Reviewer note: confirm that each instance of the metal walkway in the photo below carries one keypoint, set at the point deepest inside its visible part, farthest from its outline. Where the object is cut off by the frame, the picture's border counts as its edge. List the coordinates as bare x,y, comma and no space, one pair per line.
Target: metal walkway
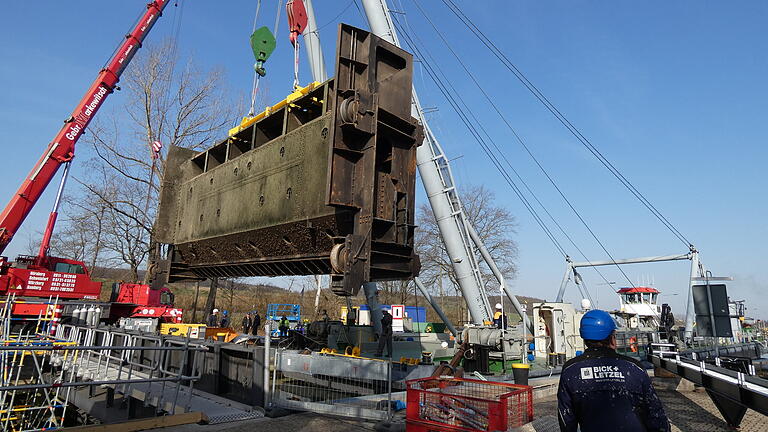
732,392
155,370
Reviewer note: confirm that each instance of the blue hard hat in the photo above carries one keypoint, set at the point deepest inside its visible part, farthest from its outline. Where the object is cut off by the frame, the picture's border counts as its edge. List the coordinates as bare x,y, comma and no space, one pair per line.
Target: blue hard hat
596,325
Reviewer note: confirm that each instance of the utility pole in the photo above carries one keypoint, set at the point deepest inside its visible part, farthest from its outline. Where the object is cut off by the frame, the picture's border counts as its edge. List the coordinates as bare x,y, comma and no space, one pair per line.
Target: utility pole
317,295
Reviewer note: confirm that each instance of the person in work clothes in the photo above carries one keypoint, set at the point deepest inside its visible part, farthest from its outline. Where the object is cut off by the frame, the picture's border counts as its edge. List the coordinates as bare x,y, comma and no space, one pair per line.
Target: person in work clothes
225,319
213,318
602,390
386,335
499,319
283,326
247,323
256,323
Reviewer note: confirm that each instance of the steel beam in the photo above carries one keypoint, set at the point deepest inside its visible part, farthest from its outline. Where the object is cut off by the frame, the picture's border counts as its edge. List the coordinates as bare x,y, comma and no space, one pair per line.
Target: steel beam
572,265
731,391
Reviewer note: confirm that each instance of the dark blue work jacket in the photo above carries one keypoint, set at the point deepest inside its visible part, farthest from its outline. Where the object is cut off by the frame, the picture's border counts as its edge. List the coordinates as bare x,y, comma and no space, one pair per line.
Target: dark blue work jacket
602,390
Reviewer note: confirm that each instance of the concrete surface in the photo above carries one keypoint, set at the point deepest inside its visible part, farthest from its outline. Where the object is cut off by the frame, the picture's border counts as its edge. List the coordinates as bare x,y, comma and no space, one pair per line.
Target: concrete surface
687,411
304,422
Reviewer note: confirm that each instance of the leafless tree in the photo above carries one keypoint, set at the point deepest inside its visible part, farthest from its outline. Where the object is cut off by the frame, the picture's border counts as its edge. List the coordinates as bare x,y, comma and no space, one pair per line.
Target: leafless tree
210,302
163,100
396,292
494,224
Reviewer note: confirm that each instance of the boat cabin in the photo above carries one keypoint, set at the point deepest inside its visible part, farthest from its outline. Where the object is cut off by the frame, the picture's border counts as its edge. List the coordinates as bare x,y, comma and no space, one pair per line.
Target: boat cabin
641,301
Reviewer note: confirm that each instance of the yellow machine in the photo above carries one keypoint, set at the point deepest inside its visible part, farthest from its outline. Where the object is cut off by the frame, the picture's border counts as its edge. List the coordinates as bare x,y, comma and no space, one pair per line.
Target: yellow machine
194,331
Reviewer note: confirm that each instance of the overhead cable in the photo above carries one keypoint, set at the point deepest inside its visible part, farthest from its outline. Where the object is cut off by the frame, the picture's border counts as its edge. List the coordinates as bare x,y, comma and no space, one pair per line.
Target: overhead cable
520,140
563,120
448,92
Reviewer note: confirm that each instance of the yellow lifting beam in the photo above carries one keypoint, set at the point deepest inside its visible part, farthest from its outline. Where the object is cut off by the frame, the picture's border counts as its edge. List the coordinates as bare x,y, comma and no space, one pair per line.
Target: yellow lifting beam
299,92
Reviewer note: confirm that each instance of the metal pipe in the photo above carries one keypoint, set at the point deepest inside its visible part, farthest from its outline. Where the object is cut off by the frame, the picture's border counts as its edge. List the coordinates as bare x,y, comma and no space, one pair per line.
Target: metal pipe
265,382
91,347
312,45
496,272
571,265
91,383
678,257
438,183
525,340
689,312
436,307
372,299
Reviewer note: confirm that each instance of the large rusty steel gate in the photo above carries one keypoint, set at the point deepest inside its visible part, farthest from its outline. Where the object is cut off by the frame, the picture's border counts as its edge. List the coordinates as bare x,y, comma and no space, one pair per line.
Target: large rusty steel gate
322,184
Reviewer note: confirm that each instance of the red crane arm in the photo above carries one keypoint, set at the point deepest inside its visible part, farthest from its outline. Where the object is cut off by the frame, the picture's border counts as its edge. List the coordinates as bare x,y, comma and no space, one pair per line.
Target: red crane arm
62,148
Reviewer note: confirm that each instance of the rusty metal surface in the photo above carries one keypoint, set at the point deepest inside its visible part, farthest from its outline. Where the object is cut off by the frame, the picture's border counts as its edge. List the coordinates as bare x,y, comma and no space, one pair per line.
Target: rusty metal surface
324,185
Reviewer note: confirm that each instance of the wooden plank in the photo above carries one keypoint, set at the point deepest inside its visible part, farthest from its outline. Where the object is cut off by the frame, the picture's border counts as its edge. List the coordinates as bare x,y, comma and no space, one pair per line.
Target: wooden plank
148,423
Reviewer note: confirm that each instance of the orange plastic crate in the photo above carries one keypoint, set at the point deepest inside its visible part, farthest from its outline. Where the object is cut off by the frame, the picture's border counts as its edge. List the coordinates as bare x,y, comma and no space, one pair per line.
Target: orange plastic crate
459,404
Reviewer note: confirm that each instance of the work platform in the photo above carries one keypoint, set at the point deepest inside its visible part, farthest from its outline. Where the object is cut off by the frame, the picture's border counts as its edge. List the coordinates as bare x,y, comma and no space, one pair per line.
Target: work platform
154,371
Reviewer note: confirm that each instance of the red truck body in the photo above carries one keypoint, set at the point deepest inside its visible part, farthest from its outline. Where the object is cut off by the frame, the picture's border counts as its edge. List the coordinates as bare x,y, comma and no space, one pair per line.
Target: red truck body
59,277
141,301
32,280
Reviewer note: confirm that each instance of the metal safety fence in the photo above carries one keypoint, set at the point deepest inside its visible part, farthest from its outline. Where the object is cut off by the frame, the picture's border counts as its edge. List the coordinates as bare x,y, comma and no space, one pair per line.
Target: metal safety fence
41,374
329,383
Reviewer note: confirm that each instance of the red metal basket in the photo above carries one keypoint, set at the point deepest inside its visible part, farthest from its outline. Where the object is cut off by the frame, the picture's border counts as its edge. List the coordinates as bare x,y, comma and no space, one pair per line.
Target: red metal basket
458,404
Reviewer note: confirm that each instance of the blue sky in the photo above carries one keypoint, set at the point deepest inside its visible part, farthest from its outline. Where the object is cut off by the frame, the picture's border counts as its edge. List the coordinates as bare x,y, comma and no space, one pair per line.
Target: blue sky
673,93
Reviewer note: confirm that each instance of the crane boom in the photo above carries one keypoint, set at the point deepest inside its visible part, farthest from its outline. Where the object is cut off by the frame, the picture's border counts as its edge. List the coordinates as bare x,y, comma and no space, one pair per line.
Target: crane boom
62,149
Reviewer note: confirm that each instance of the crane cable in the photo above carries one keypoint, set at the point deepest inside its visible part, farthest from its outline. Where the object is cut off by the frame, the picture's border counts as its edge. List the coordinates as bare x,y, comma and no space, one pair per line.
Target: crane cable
154,155
297,23
520,140
446,90
563,120
256,76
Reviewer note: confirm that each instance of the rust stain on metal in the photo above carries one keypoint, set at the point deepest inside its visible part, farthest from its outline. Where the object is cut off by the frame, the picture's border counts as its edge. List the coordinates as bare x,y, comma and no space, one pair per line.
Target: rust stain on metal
332,171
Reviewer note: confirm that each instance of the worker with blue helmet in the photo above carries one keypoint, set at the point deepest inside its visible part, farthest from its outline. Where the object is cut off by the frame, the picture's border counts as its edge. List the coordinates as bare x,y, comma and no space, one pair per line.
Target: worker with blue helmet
601,390
224,319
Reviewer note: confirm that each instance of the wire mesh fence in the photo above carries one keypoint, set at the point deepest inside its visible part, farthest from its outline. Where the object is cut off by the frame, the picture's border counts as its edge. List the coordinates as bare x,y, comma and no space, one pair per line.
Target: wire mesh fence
347,386
467,405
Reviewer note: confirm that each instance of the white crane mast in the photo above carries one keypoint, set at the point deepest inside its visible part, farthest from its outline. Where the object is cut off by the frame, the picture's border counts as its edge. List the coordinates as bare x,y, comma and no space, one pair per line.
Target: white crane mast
456,232
437,179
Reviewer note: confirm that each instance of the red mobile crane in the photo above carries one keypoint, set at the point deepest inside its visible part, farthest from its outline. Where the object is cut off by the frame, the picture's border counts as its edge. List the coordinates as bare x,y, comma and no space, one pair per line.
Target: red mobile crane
43,275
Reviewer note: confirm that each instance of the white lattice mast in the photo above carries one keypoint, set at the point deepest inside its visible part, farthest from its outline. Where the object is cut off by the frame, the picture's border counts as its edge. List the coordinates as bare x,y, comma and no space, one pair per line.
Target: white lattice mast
438,182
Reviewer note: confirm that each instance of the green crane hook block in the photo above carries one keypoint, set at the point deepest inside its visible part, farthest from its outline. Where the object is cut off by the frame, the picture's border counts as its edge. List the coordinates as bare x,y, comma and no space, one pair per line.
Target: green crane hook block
263,44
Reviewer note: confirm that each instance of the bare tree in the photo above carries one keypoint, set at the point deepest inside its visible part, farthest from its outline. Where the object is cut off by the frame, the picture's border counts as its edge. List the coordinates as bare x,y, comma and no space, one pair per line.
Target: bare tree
494,224
210,302
396,292
175,104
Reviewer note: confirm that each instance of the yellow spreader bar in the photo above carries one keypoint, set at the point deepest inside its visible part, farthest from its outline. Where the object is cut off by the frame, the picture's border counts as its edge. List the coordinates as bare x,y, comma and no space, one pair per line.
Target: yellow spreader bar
299,92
